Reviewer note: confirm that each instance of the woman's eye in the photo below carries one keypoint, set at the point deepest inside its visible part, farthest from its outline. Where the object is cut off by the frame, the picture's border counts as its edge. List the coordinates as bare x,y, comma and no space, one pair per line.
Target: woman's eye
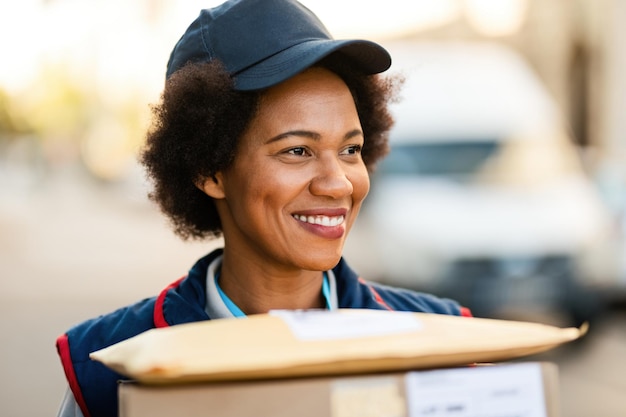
352,150
298,151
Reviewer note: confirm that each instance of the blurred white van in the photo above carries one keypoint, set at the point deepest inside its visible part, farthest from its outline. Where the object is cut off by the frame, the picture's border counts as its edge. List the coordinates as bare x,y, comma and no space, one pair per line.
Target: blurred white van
483,197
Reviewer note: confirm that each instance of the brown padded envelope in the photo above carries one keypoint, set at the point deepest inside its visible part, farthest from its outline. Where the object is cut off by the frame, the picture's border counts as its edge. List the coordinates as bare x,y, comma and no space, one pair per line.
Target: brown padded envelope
263,346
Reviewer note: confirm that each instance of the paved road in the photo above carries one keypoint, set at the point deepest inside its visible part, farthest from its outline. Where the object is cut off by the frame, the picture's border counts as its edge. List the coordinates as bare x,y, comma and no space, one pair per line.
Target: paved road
69,251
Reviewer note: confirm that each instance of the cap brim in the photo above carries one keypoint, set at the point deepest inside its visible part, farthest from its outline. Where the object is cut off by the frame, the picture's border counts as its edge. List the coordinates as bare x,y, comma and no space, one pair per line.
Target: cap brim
369,57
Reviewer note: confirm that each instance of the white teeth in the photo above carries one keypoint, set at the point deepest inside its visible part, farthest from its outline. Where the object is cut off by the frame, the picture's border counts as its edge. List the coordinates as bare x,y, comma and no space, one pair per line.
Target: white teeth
321,220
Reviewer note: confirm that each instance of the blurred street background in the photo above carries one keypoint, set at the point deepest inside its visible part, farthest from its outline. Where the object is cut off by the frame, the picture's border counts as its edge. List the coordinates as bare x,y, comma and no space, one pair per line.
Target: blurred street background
505,187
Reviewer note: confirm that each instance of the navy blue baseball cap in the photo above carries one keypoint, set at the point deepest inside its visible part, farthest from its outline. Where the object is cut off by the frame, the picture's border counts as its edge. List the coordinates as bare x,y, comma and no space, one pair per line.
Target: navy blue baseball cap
264,42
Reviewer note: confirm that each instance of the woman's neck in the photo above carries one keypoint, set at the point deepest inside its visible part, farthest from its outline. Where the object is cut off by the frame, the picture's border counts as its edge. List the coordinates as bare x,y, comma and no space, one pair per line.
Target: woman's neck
257,290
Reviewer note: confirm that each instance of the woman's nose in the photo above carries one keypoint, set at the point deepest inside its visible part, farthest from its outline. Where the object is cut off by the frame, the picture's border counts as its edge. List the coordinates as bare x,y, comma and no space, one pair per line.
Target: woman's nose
331,179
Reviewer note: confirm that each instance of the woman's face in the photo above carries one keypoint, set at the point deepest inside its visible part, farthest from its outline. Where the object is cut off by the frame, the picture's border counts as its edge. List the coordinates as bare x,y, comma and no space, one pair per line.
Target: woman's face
298,180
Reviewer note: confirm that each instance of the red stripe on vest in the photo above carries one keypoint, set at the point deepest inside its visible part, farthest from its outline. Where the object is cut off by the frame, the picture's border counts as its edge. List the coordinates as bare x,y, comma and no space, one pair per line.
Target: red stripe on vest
159,317
376,295
466,312
63,347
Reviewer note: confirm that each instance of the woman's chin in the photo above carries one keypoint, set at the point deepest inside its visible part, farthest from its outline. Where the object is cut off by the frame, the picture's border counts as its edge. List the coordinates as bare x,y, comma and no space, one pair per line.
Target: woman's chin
322,263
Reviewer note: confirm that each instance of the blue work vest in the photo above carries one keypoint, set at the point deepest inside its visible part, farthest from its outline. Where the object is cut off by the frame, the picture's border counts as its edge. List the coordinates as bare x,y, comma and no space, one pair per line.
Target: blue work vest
95,386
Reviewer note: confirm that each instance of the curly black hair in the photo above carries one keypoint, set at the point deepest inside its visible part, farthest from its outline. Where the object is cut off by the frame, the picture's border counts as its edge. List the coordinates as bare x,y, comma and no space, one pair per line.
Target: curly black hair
197,124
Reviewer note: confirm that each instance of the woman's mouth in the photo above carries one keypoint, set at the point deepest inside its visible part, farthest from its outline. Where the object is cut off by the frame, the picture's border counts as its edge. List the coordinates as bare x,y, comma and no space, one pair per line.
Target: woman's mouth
327,221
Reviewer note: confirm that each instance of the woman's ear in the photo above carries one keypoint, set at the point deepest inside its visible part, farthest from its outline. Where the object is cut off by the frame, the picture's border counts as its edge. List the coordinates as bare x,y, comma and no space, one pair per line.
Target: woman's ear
212,186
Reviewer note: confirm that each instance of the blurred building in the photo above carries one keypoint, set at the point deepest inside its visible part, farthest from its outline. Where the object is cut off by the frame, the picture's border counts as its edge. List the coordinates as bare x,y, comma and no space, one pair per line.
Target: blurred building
574,45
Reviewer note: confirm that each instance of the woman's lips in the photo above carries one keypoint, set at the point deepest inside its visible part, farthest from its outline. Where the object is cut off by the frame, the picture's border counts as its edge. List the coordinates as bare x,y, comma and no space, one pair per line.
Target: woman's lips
326,226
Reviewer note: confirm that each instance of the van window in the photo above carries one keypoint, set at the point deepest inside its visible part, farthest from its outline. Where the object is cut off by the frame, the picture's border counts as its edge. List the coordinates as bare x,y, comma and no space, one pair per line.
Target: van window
457,160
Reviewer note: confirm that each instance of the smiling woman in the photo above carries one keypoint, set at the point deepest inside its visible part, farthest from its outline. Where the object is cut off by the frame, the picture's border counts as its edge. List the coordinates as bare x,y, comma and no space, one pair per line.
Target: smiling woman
264,138
297,180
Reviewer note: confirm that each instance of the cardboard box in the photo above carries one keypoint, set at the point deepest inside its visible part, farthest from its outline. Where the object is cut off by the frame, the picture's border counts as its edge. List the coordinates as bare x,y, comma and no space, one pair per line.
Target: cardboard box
528,389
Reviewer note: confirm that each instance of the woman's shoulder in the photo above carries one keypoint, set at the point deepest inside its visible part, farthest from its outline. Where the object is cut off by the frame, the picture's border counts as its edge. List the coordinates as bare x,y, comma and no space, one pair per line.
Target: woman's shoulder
107,329
356,292
402,299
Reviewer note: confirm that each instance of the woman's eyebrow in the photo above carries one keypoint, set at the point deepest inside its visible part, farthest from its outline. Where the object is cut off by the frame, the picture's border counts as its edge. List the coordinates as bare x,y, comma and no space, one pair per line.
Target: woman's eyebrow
302,133
311,135
353,133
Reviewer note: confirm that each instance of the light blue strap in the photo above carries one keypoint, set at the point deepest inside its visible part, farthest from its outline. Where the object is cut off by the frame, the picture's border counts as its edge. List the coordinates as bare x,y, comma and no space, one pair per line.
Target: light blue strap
326,292
232,307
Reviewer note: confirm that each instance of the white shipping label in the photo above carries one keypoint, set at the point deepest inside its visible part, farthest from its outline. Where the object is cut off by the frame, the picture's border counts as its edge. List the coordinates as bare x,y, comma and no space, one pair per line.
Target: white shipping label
328,325
508,390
